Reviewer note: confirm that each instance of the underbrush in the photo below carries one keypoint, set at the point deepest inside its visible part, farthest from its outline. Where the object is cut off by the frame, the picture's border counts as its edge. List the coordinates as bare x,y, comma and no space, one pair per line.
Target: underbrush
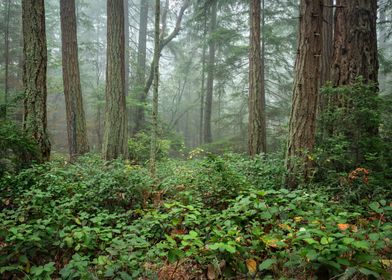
212,217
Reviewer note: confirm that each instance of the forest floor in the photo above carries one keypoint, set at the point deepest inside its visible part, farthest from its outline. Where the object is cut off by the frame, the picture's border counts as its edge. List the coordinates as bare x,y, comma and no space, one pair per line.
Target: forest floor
210,217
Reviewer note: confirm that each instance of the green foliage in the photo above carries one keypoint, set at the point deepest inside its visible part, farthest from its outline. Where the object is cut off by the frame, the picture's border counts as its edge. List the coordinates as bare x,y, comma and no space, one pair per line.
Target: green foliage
353,133
225,215
140,145
16,148
350,125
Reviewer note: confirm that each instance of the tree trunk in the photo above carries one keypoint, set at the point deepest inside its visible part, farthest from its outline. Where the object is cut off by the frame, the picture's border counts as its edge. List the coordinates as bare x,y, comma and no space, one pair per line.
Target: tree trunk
34,75
202,90
327,50
326,61
139,118
76,121
355,54
355,42
257,141
154,129
115,127
6,57
306,84
126,35
210,75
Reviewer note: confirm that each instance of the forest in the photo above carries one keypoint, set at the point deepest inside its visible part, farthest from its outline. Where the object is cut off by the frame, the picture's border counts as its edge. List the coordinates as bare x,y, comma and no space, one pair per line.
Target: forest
196,139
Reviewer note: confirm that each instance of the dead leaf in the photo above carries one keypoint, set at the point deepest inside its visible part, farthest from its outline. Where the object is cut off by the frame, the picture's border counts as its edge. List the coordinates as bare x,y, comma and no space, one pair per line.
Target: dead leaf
211,272
251,264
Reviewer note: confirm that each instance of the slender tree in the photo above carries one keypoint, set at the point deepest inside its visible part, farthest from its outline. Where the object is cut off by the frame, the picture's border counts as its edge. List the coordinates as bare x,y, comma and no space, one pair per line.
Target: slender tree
76,122
203,79
6,57
154,129
34,75
257,121
115,127
210,74
140,98
306,84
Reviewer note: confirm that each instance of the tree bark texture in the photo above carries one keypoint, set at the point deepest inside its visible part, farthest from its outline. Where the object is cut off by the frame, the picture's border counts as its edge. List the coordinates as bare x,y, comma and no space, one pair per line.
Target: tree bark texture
327,51
140,96
115,126
355,54
305,94
210,74
154,129
126,55
355,42
326,60
76,121
34,75
257,140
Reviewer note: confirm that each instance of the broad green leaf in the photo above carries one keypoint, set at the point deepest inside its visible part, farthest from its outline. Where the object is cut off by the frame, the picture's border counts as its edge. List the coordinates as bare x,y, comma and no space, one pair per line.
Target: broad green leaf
267,264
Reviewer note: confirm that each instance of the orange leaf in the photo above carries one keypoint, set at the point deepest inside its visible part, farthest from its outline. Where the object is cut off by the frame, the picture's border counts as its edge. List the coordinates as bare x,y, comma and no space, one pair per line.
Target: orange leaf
343,226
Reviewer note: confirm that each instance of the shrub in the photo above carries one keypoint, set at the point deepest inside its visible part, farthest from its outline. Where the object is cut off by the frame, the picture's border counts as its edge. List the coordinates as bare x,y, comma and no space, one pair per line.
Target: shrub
16,148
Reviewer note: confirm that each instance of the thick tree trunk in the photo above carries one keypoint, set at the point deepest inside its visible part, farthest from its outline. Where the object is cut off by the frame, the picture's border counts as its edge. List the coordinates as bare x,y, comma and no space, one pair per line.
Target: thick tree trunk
138,110
326,61
327,50
154,129
355,42
34,75
115,127
306,86
257,141
210,75
355,54
76,121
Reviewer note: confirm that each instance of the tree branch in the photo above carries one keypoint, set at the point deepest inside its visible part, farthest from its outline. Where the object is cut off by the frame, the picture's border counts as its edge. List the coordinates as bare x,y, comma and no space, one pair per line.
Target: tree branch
166,41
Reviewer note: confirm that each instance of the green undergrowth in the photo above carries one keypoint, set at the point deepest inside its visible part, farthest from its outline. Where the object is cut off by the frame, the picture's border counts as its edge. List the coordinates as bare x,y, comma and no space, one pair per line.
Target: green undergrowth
211,217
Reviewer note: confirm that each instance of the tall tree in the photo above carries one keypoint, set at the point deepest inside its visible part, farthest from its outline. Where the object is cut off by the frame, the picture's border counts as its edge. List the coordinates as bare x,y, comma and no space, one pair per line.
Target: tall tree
257,121
6,57
326,60
210,73
154,129
126,35
327,51
355,55
140,97
115,127
76,121
203,79
34,75
305,94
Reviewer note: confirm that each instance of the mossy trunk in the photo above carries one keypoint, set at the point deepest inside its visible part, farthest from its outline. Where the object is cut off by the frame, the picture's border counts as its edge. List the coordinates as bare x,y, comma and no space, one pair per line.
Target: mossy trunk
76,121
115,127
34,75
154,128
